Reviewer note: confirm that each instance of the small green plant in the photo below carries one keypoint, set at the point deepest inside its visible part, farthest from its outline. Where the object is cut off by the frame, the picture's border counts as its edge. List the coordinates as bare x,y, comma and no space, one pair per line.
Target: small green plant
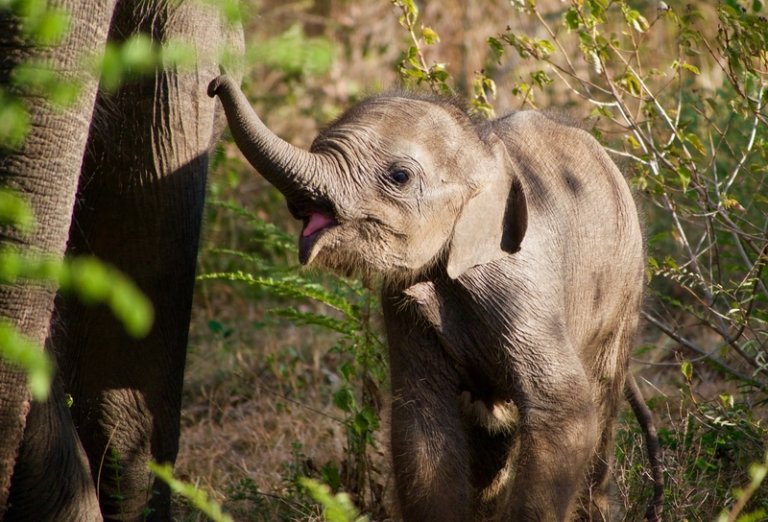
196,496
757,474
114,467
336,508
709,448
415,70
414,66
246,489
342,307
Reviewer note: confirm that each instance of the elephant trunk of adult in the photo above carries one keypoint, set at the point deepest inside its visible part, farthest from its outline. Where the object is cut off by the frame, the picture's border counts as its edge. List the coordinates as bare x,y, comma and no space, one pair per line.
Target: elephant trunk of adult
292,170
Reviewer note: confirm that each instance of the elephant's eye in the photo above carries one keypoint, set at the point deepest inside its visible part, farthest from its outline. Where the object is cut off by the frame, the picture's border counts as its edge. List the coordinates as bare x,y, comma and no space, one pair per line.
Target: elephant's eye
399,176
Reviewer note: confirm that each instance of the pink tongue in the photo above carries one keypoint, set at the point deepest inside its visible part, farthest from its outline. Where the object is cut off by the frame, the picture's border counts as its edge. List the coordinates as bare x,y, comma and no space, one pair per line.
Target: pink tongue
316,222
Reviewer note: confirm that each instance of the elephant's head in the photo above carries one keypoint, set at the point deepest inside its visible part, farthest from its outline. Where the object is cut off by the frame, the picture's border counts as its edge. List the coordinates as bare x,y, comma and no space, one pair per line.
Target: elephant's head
396,186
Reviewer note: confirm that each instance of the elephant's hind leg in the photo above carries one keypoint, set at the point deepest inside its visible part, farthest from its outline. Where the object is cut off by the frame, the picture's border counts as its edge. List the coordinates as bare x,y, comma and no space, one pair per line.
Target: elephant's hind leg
608,374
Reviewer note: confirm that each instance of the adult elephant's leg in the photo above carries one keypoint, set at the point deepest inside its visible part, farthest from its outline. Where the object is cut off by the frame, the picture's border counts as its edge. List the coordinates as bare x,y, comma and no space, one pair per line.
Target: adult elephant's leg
139,208
43,474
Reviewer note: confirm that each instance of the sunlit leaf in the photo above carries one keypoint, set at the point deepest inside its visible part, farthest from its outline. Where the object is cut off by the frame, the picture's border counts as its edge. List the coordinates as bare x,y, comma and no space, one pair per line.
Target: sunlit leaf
138,54
571,18
336,508
15,210
496,47
686,368
14,121
196,496
28,356
430,36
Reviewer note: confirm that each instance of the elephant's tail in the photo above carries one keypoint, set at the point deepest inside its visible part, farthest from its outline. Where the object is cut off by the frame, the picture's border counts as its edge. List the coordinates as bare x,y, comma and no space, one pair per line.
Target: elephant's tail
645,419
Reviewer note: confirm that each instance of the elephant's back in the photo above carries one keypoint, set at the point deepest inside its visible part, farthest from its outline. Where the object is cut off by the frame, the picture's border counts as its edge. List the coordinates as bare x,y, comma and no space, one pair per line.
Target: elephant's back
582,222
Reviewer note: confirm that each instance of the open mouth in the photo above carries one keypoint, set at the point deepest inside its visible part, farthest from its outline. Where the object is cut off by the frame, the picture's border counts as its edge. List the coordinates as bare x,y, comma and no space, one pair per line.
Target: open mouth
315,224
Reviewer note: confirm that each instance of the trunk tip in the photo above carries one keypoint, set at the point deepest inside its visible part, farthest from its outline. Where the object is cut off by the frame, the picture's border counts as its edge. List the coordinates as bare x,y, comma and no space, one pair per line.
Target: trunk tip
214,86
216,83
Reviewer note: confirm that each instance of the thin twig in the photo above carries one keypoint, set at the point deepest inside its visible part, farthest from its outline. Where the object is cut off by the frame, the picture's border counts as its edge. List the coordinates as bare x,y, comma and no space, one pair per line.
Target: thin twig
690,345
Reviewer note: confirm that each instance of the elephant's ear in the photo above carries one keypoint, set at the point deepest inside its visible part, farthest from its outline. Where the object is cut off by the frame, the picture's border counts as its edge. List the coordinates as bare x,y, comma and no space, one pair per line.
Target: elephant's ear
493,221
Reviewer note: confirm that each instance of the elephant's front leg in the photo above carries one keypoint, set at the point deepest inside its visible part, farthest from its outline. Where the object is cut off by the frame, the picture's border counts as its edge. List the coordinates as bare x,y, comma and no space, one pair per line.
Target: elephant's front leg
430,455
140,208
559,434
429,446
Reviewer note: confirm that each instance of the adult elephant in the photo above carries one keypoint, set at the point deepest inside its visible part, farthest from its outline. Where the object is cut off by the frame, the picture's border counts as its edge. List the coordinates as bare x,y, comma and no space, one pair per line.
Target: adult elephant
121,176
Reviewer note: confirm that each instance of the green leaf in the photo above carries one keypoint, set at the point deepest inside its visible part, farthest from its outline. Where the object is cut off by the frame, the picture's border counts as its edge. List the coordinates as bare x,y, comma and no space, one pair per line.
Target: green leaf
758,472
497,48
632,142
630,83
684,176
695,142
130,306
14,121
197,497
571,18
686,368
544,48
429,35
690,67
635,20
110,68
95,282
323,321
90,279
332,476
541,79
45,25
39,79
219,329
29,357
344,399
138,54
410,7
15,211
336,508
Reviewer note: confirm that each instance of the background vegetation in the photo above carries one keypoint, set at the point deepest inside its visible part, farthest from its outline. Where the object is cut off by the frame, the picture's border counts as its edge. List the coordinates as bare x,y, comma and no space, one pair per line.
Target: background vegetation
286,375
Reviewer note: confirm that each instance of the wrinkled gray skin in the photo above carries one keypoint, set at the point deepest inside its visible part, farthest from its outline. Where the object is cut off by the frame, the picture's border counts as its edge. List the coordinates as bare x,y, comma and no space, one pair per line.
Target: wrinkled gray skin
512,266
120,176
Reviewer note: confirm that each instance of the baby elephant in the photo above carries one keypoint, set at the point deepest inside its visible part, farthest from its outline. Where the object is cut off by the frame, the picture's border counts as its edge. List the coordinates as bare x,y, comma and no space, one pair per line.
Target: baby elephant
511,261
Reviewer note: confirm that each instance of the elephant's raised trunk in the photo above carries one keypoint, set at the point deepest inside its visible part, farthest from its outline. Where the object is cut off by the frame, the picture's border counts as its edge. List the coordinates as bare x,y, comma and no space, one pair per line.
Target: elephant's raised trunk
290,169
